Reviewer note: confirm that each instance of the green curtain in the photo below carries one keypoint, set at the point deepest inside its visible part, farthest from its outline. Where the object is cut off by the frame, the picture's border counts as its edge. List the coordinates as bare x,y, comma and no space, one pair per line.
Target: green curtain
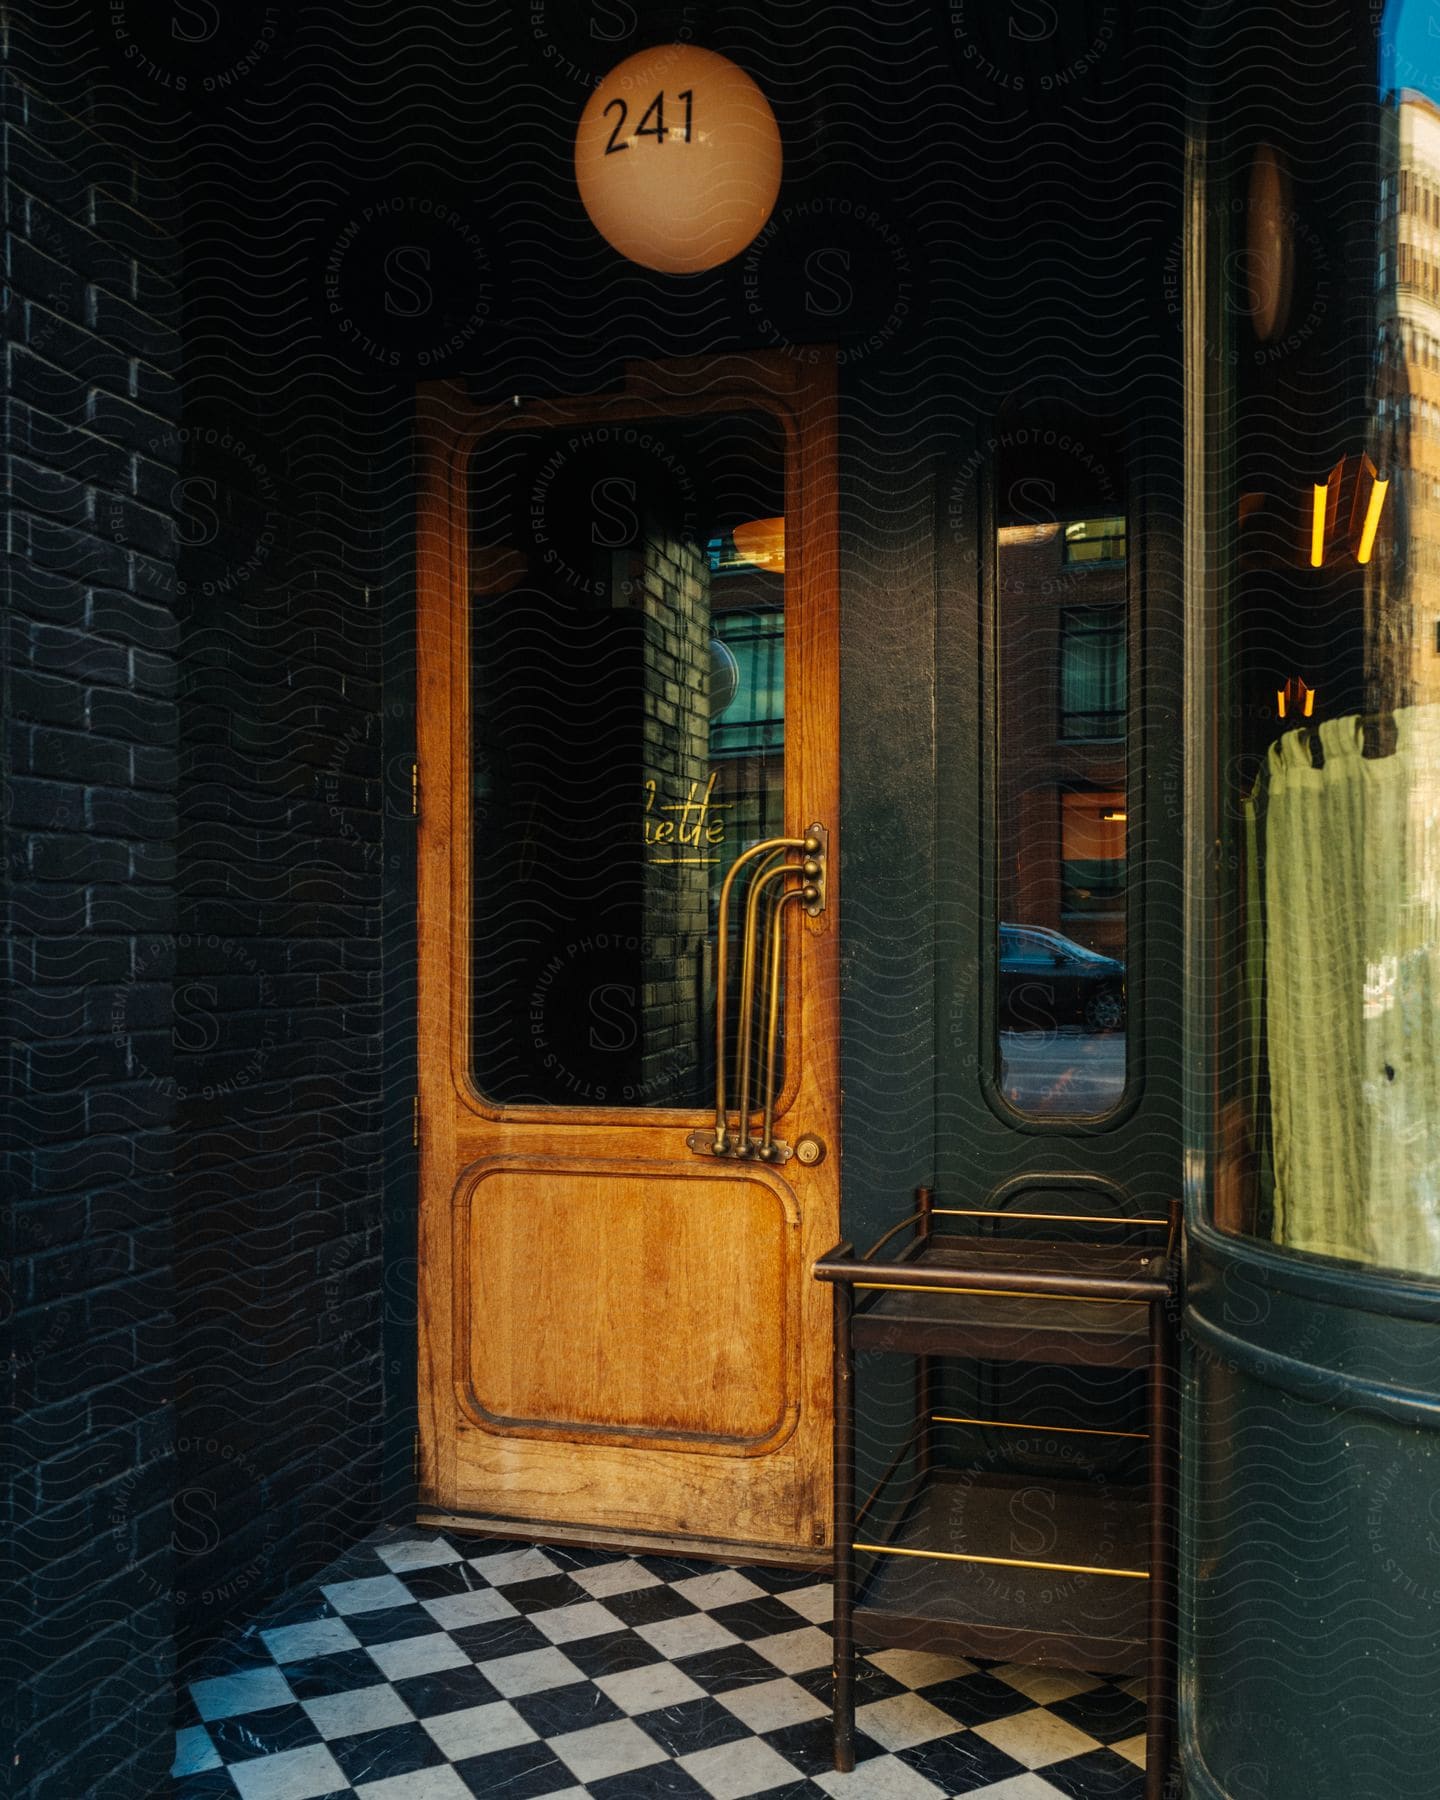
1351,908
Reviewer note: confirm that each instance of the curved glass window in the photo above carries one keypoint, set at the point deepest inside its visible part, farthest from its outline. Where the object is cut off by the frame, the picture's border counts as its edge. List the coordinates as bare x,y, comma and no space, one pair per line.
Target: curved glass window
1322,367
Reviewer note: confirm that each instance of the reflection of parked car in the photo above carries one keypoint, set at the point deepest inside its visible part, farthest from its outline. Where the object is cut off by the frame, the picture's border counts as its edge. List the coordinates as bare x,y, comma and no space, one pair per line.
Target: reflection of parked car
1048,980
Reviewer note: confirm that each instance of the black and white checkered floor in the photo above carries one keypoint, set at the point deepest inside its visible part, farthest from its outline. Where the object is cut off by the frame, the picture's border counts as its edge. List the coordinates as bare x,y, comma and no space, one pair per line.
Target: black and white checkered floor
427,1667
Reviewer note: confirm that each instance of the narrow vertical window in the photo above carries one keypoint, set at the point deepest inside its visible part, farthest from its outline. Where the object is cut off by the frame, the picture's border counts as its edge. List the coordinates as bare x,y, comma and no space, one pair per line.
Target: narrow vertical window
1062,816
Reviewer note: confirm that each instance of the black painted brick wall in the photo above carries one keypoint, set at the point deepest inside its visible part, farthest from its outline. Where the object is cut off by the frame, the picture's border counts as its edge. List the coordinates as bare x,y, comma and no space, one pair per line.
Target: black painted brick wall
91,366
278,1167
277,1010
193,831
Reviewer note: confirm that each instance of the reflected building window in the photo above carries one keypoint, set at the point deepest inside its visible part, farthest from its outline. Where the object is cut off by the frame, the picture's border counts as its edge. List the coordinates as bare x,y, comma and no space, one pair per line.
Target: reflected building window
1092,852
1095,541
1092,672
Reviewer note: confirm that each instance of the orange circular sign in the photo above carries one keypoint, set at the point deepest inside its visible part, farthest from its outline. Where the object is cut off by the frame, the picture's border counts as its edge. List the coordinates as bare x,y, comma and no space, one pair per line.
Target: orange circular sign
678,159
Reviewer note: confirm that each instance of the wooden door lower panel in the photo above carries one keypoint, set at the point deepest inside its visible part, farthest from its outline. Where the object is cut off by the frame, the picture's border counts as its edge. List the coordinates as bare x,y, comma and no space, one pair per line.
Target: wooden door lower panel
636,1347
649,1305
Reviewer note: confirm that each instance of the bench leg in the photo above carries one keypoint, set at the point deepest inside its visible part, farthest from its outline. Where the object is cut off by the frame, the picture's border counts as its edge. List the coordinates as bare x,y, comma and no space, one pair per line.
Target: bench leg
843,1626
1160,1674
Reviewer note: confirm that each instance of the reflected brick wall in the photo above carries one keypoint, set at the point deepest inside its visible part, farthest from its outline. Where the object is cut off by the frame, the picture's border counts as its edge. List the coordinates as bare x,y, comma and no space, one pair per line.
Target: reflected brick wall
1042,759
675,597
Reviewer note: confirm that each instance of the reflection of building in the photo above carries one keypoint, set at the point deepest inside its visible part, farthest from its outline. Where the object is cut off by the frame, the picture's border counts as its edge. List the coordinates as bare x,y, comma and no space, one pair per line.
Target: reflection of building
747,712
1404,597
1061,751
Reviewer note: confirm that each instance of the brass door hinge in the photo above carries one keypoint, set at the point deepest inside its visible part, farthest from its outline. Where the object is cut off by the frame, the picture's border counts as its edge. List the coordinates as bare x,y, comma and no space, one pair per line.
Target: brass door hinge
415,1120
415,789
415,1459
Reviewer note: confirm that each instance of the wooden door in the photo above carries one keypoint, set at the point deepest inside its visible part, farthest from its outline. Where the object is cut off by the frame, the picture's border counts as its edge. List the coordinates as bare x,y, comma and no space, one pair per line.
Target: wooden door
619,1336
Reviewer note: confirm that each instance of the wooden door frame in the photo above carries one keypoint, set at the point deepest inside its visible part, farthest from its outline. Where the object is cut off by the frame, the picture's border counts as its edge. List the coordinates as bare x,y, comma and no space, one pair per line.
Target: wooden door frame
801,396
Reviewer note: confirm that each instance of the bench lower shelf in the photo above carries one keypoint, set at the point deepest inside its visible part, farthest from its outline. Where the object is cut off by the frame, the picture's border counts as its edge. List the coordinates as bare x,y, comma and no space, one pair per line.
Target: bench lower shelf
1062,1617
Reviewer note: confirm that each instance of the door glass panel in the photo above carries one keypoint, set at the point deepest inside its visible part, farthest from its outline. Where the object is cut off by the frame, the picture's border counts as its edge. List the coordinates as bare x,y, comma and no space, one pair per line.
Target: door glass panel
1325,483
1062,821
627,633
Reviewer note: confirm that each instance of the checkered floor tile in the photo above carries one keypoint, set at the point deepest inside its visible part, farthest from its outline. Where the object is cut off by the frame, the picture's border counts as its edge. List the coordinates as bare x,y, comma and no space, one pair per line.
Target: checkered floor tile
436,1667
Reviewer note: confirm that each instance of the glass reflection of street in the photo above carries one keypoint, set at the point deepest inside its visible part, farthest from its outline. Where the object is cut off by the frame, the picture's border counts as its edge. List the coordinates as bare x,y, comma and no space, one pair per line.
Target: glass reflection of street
1069,1072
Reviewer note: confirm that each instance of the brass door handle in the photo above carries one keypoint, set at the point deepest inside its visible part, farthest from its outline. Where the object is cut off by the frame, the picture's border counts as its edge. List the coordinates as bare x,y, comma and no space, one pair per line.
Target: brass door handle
770,864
